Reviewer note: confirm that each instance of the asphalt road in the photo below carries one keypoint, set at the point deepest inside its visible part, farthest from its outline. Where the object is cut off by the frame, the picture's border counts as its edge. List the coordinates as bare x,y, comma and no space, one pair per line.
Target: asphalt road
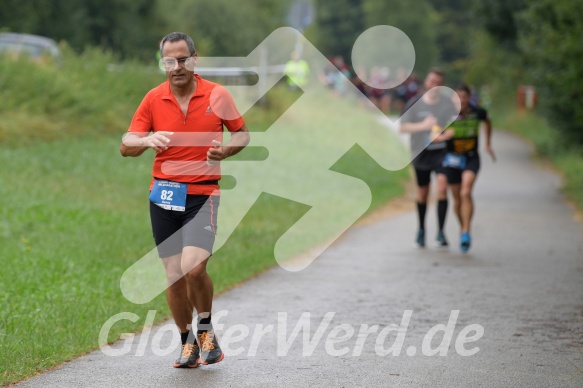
522,283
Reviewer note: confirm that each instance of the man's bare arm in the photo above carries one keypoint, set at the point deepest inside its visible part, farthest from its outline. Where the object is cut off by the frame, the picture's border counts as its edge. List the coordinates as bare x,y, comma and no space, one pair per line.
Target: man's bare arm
422,126
238,141
135,144
488,130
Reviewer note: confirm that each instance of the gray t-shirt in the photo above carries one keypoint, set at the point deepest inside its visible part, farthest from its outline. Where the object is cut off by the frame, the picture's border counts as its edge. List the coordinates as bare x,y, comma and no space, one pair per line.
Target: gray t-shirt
416,110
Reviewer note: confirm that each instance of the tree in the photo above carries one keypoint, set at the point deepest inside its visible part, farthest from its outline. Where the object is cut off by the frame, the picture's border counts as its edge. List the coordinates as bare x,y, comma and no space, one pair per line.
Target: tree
223,28
337,26
128,27
416,19
456,25
499,18
549,35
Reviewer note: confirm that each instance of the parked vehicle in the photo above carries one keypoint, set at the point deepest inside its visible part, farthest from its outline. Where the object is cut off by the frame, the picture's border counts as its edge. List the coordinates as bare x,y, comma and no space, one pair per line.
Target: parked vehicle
37,48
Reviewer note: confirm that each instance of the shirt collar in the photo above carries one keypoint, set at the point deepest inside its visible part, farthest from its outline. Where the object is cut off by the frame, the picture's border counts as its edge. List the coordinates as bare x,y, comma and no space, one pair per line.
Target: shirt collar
200,89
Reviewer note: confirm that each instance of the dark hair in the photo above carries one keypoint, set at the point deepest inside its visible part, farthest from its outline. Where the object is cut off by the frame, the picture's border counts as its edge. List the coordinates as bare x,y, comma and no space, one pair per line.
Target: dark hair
175,37
463,87
437,71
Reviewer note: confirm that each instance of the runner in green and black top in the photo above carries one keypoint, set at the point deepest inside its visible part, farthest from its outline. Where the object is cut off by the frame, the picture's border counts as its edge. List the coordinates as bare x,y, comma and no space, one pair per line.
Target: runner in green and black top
462,161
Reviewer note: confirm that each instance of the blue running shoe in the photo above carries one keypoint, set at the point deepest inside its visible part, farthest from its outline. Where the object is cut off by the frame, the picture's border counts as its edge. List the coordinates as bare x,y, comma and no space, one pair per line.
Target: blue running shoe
465,242
420,242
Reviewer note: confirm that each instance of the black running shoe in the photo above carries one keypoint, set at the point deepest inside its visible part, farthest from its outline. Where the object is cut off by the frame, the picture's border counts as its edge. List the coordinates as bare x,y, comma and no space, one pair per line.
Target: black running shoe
441,241
420,241
189,356
211,352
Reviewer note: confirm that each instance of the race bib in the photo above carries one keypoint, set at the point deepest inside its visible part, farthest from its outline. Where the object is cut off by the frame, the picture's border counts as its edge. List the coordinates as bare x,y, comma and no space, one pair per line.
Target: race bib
169,195
454,161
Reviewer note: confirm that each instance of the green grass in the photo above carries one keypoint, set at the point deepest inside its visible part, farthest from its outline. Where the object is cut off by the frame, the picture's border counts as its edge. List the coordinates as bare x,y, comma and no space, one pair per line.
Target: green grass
65,236
86,94
74,214
549,145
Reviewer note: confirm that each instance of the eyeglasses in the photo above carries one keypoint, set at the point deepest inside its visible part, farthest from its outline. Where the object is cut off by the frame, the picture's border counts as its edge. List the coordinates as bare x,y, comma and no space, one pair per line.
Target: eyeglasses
169,63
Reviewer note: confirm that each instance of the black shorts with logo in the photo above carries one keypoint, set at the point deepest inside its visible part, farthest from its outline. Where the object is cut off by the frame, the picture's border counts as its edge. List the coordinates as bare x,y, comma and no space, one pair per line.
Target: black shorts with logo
196,226
454,175
426,162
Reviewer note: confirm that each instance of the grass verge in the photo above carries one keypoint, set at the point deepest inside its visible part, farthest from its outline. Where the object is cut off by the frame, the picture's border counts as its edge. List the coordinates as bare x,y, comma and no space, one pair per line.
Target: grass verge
551,146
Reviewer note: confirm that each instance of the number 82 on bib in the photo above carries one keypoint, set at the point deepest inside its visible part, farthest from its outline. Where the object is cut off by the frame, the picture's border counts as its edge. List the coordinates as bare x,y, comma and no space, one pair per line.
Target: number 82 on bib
169,195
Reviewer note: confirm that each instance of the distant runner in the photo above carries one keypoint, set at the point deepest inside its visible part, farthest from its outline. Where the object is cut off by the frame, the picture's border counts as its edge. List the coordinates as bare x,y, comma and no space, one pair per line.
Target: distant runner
421,114
462,161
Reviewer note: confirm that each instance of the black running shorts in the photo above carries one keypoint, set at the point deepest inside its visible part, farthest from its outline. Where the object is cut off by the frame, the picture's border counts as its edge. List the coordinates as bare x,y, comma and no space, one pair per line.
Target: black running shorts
196,226
454,175
427,161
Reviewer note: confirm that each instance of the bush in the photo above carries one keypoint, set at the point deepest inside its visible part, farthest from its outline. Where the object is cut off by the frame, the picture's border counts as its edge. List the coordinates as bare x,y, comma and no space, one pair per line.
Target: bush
88,93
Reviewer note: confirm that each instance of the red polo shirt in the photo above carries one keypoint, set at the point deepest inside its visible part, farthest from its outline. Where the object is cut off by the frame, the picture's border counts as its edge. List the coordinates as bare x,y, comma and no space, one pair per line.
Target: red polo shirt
210,108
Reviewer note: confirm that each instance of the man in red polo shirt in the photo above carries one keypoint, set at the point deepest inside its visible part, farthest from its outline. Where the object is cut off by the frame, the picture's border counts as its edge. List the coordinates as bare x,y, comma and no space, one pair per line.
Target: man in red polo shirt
182,120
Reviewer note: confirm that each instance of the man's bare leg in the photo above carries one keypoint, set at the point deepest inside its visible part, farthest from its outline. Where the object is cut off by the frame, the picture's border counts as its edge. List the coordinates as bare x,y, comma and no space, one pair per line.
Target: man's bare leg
467,202
457,201
177,293
200,289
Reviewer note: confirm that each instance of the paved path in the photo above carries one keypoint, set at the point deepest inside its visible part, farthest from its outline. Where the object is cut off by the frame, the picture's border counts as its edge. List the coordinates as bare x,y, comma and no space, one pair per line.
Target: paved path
522,282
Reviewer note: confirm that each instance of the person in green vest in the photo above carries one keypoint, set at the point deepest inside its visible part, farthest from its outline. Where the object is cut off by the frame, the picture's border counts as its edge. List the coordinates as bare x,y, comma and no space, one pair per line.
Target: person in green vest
297,71
462,161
